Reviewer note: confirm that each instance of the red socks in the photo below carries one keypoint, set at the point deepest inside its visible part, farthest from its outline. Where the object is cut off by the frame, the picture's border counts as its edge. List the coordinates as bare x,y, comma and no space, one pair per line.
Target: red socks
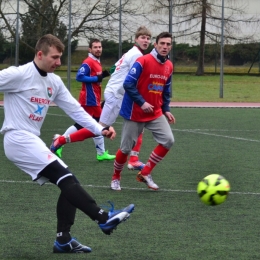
155,157
81,135
78,136
135,151
119,163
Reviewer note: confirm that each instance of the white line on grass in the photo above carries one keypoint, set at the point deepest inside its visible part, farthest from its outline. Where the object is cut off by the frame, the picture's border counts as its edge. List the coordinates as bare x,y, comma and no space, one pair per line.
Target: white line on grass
197,131
217,135
218,130
128,188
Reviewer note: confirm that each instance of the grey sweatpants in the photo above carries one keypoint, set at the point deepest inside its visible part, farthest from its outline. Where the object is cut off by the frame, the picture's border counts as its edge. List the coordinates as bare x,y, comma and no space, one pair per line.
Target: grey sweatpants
159,127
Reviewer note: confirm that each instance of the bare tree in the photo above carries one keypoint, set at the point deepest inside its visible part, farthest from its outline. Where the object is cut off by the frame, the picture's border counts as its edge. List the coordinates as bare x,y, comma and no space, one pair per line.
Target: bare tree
201,19
89,18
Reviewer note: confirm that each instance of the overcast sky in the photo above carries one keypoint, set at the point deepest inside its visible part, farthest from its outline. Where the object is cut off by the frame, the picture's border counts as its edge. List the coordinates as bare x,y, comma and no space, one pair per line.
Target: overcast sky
254,6
252,9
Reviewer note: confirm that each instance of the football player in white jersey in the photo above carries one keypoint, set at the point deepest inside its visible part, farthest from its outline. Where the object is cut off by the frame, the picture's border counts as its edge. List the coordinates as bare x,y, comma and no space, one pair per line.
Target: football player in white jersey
114,93
28,91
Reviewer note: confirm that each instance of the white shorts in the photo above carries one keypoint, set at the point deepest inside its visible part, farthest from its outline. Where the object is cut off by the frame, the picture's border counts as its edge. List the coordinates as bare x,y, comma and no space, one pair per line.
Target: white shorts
111,109
29,153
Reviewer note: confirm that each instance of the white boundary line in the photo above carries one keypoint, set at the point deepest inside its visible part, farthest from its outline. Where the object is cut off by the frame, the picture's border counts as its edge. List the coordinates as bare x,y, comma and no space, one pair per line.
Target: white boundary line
217,135
198,131
128,188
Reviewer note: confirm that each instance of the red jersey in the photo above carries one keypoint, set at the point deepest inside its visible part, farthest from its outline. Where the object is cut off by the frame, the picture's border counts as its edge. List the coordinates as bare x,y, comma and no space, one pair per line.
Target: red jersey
90,94
149,80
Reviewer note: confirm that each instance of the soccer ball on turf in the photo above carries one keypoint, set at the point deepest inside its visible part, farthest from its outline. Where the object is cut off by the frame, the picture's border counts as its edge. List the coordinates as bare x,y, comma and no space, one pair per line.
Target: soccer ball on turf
213,189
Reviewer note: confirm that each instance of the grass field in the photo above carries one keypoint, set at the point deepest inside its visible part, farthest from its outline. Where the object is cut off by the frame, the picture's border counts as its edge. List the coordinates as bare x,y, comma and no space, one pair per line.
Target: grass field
238,86
188,87
168,224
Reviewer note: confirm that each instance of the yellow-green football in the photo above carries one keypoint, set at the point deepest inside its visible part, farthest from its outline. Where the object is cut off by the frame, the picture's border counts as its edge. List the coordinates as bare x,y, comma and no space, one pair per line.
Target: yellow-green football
213,189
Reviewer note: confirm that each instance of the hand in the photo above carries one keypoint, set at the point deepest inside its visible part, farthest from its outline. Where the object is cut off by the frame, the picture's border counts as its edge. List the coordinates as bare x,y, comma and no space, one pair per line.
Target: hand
105,73
170,117
100,77
147,108
109,132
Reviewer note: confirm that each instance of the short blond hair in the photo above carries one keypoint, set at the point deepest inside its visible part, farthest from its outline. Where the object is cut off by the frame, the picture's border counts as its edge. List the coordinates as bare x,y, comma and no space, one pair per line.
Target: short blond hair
142,30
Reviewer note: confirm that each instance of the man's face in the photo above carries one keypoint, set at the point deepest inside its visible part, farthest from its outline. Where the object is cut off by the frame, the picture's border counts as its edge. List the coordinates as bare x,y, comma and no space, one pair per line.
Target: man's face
49,62
163,46
143,41
96,49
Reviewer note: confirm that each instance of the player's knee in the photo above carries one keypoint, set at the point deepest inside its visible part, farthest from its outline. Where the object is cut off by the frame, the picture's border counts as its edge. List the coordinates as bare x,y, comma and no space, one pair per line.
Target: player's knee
67,182
126,150
169,143
55,172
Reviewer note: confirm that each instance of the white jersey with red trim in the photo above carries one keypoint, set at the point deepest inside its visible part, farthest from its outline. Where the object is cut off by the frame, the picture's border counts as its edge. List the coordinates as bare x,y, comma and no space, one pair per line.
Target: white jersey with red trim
122,67
28,95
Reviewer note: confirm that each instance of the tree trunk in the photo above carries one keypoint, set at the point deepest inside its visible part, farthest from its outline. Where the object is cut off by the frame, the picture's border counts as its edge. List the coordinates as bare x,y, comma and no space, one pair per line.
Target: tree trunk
200,69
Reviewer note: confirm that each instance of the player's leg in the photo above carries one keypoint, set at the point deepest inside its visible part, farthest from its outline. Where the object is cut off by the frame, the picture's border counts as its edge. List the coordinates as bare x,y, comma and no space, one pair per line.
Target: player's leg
108,117
75,133
110,110
30,154
163,135
99,141
74,196
80,135
72,129
134,163
59,141
130,132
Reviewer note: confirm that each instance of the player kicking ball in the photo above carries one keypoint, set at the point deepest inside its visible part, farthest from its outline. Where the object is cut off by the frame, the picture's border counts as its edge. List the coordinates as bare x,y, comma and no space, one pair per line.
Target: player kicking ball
28,91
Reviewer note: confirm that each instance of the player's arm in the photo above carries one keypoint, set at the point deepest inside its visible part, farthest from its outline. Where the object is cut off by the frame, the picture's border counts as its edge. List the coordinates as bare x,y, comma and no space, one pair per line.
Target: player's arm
130,84
83,75
131,89
10,79
166,96
73,109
